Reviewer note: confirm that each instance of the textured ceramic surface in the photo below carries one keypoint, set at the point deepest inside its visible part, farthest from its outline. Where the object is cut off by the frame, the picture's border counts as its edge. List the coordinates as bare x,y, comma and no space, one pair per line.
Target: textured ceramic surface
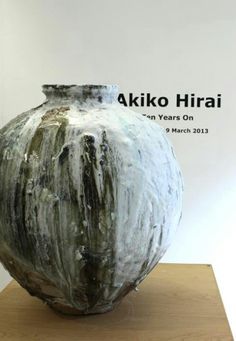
90,196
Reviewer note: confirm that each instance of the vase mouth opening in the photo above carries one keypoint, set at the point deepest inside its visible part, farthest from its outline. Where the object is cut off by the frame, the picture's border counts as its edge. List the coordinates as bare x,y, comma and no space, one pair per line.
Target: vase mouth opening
85,92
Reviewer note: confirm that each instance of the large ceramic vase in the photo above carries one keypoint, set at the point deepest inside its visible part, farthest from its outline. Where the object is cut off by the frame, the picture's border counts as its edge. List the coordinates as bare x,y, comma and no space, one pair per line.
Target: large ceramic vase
90,197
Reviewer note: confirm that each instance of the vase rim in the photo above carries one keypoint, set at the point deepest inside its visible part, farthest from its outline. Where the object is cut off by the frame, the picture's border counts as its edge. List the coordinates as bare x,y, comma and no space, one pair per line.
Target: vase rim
99,92
84,86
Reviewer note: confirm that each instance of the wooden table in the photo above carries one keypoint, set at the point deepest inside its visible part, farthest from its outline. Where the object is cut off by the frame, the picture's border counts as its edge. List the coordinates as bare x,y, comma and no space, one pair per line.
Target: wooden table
175,302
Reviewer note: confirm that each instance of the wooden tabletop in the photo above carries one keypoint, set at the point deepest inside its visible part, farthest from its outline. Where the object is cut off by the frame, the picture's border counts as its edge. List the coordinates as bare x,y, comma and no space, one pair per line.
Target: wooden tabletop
175,302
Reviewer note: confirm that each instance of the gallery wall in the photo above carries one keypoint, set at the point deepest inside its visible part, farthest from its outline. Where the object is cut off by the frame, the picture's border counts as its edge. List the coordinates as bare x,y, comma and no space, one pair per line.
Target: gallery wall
160,47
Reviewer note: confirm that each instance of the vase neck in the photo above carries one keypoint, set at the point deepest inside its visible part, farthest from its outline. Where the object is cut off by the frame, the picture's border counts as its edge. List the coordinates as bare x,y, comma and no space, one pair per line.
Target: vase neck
89,94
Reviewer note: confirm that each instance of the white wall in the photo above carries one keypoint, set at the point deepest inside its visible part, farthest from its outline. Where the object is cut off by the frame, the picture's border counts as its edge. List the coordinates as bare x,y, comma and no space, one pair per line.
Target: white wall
163,47
4,278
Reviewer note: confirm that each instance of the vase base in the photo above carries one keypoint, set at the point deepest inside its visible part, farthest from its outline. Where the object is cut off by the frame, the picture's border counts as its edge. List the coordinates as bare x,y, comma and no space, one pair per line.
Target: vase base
71,311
